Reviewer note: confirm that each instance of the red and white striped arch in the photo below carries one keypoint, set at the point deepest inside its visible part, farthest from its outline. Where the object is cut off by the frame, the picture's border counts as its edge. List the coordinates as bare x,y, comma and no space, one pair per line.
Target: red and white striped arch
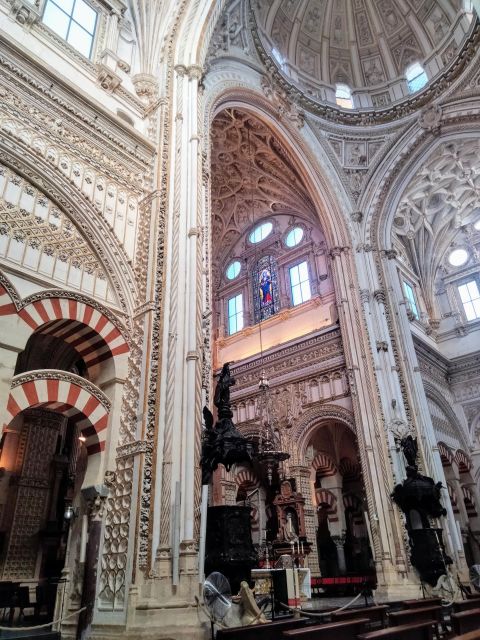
7,306
469,501
453,497
463,461
71,397
86,328
246,478
324,465
325,498
93,335
445,454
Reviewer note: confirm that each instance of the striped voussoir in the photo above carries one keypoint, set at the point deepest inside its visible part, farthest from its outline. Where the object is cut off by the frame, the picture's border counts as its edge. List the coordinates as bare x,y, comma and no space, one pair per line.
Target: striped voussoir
7,306
326,497
67,394
88,330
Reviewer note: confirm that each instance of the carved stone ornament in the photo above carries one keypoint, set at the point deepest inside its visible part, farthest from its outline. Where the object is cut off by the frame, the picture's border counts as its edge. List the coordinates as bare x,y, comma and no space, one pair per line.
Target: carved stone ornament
281,101
107,79
146,87
430,118
24,13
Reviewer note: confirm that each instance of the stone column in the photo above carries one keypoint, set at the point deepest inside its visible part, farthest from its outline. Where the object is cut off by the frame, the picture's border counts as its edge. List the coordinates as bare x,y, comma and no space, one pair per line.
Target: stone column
89,591
389,550
302,477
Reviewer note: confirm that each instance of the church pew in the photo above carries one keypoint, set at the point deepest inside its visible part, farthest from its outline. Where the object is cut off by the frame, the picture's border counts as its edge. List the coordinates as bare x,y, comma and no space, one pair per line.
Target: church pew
377,614
472,635
421,603
464,605
434,615
269,631
416,631
347,630
465,621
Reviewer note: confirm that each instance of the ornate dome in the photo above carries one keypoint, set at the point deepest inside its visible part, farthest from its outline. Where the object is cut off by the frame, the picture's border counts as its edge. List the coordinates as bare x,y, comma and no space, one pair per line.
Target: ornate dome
365,44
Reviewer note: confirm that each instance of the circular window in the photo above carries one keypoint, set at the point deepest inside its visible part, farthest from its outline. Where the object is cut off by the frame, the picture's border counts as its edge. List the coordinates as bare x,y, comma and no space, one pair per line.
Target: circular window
294,237
261,232
477,225
233,270
458,257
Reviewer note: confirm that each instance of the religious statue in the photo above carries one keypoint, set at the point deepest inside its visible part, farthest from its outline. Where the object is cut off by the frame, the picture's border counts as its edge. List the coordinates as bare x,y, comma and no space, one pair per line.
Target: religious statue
410,450
265,288
222,443
222,392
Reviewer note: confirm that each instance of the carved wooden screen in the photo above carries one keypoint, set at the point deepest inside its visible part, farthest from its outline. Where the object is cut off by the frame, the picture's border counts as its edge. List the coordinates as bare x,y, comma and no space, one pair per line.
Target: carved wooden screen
266,300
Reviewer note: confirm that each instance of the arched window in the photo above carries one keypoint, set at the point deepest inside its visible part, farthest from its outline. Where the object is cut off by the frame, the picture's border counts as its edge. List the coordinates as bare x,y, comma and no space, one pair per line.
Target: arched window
343,96
416,77
266,300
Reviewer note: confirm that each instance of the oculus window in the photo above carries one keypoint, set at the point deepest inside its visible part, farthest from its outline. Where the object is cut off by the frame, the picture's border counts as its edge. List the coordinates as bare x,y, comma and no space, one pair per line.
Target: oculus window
410,295
294,237
416,77
74,21
235,314
260,232
233,270
300,283
458,257
470,297
343,96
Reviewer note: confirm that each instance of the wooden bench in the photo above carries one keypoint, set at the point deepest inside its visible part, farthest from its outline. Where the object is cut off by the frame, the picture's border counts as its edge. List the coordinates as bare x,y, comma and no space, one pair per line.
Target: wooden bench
418,631
473,635
464,605
422,603
472,596
269,631
376,614
465,621
434,615
347,630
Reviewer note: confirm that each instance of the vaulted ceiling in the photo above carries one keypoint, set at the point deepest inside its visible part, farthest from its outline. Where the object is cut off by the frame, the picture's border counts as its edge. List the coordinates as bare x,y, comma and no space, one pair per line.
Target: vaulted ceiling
253,176
363,43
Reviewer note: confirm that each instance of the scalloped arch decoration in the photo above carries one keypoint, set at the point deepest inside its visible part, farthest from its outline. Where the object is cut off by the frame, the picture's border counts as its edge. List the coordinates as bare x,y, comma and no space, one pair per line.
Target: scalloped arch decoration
446,454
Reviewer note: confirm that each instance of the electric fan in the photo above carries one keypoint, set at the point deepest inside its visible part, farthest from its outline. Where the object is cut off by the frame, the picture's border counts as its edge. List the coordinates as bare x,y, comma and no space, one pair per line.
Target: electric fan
217,597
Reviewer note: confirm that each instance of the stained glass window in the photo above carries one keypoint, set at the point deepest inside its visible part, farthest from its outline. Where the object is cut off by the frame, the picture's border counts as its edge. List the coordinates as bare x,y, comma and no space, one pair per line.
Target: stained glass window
265,289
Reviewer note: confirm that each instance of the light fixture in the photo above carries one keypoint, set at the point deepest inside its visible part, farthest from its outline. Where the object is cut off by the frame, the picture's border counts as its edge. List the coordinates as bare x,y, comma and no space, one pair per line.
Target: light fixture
70,513
268,451
82,438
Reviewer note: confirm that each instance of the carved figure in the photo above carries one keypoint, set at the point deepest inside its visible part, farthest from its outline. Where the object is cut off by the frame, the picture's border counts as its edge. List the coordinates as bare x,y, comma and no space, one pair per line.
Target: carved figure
410,449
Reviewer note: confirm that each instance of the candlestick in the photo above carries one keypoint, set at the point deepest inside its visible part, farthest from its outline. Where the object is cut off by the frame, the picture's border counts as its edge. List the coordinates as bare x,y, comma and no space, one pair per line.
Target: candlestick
301,547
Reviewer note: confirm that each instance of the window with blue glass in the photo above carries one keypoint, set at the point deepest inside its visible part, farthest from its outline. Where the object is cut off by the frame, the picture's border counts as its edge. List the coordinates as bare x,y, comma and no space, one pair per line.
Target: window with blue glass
300,283
235,314
410,295
74,21
416,77
265,289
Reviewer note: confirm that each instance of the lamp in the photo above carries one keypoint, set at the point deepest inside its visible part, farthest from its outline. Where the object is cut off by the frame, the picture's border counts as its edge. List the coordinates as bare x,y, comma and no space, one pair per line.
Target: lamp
70,513
268,452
